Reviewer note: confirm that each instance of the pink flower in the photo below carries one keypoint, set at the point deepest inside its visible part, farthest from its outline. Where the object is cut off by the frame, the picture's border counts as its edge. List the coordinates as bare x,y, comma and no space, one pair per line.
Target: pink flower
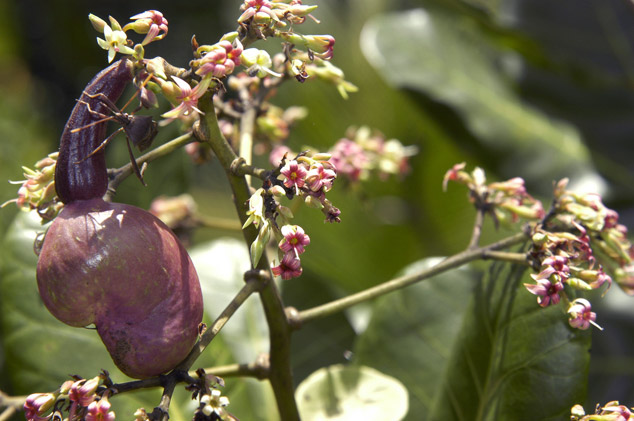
321,45
37,404
547,293
294,239
83,391
290,267
452,174
554,265
221,60
619,412
150,22
294,175
187,98
581,314
100,411
320,178
260,7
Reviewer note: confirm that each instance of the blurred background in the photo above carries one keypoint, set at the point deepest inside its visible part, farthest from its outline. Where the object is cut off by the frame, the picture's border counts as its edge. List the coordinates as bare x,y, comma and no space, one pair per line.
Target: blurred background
531,88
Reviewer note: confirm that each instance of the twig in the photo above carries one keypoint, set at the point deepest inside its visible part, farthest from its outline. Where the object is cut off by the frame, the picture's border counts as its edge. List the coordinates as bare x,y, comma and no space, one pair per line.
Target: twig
217,223
258,369
120,174
253,284
247,127
161,412
477,229
8,413
404,281
12,404
517,258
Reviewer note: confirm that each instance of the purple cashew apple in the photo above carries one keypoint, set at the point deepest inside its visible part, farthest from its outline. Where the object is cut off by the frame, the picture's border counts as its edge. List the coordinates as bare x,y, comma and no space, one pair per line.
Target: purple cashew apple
115,265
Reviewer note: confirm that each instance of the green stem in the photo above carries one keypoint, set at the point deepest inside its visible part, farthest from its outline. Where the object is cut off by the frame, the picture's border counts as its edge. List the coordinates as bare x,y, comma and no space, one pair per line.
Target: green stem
250,287
517,258
477,229
8,413
258,369
280,375
247,126
404,281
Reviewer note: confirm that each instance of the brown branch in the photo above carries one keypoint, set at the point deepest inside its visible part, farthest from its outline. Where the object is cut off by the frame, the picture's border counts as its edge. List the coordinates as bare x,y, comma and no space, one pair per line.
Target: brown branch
404,281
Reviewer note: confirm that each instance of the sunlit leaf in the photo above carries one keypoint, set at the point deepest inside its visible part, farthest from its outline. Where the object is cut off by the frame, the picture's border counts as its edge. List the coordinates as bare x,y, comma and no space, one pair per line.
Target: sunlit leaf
512,359
341,392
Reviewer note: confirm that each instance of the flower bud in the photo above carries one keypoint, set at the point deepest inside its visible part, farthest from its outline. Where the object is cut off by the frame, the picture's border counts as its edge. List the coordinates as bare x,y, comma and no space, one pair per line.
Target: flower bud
97,23
313,202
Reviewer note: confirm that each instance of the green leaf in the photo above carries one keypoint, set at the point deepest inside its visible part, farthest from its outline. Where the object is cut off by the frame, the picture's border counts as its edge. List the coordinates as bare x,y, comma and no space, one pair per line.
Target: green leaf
454,63
484,350
412,332
512,359
341,392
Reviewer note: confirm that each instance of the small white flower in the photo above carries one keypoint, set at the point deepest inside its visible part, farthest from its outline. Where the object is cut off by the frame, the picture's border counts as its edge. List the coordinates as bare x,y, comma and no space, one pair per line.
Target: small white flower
114,42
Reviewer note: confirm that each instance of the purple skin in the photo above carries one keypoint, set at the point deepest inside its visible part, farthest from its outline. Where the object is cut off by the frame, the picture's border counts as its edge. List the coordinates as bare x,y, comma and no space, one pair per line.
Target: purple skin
112,264
78,177
121,268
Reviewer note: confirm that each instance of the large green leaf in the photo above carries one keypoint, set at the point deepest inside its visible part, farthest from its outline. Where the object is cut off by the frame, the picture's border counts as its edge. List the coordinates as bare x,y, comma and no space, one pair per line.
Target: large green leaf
468,349
512,359
412,332
445,57
340,393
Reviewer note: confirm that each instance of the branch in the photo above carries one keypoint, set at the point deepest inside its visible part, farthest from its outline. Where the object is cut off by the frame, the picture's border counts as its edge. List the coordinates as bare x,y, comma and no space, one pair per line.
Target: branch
247,127
280,376
254,282
404,281
258,369
477,229
12,404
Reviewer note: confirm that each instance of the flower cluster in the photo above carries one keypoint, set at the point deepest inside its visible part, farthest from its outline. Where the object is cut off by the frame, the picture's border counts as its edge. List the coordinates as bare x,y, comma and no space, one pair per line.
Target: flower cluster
578,244
266,14
151,23
611,411
607,235
364,152
219,59
358,156
505,201
308,177
79,397
38,190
